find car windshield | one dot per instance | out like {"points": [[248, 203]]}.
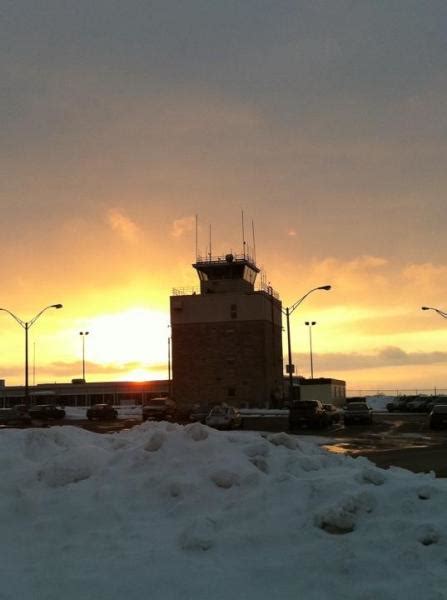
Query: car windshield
{"points": [[440, 408], [357, 406], [219, 411]]}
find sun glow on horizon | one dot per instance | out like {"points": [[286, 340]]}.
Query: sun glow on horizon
{"points": [[137, 335]]}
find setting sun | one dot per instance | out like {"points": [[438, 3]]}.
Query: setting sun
{"points": [[137, 337]]}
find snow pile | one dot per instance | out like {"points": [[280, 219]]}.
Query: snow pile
{"points": [[167, 512], [378, 403]]}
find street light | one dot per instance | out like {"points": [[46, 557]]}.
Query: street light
{"points": [[310, 324], [26, 326], [440, 312], [83, 334], [288, 311]]}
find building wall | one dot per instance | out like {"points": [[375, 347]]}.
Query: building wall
{"points": [[113, 392], [330, 392], [226, 348], [215, 308]]}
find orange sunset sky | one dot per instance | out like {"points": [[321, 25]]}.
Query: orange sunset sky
{"points": [[324, 121]]}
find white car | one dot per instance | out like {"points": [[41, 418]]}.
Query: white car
{"points": [[224, 417]]}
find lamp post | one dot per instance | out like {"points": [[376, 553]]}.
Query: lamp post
{"points": [[310, 324], [169, 368], [26, 326], [288, 311], [440, 312], [83, 334]]}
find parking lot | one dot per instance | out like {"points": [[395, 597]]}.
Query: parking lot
{"points": [[402, 440]]}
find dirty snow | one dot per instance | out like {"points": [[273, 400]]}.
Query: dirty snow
{"points": [[164, 511]]}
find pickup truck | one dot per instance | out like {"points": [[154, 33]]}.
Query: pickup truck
{"points": [[158, 409], [308, 413]]}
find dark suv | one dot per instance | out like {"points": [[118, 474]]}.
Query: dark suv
{"points": [[357, 412], [102, 412], [11, 417], [438, 417], [159, 409], [46, 411], [308, 413]]}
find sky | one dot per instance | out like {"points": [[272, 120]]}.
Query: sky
{"points": [[323, 120]]}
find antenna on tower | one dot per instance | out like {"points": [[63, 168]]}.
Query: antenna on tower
{"points": [[210, 254], [243, 232], [254, 241], [197, 236]]}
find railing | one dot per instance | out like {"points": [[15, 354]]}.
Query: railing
{"points": [[263, 287], [193, 290], [224, 258], [185, 291]]}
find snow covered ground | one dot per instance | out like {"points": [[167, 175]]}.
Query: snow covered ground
{"points": [[164, 511]]}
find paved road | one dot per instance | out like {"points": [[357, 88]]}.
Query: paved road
{"points": [[418, 460], [394, 439], [400, 440]]}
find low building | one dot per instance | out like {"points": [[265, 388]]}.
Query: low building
{"points": [[324, 389], [118, 393]]}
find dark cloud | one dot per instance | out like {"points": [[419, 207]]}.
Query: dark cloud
{"points": [[68, 370], [390, 356]]}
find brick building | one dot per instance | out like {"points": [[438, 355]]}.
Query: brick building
{"points": [[226, 338]]}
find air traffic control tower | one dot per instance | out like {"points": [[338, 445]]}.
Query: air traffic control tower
{"points": [[227, 338]]}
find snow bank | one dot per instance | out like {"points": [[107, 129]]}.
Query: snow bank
{"points": [[166, 512], [378, 403]]}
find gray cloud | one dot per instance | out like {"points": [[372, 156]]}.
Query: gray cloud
{"points": [[348, 99], [68, 370], [390, 356]]}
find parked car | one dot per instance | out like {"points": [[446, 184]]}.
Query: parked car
{"points": [[224, 417], [198, 413], [333, 413], [438, 417], [419, 405], [308, 413], [13, 418], [400, 404], [357, 412], [102, 412], [159, 409], [46, 411]]}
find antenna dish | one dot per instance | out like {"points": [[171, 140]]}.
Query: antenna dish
{"points": [[229, 258]]}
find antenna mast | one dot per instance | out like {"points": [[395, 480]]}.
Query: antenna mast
{"points": [[243, 232], [210, 254], [197, 235], [254, 241]]}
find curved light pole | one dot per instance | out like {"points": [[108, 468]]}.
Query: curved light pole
{"points": [[440, 312], [288, 311], [83, 334], [26, 326], [310, 324]]}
